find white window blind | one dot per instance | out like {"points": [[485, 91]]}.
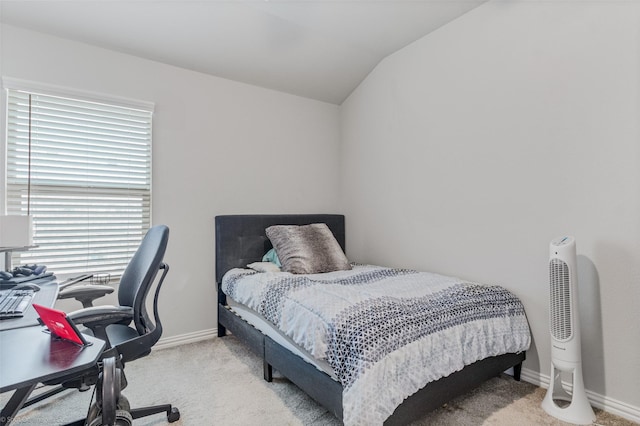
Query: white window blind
{"points": [[82, 169]]}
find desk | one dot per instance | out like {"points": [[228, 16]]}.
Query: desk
{"points": [[46, 297], [29, 356]]}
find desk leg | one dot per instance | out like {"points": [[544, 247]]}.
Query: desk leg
{"points": [[15, 404]]}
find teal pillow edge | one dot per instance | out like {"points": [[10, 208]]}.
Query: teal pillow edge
{"points": [[272, 256]]}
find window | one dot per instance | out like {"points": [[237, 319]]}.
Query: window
{"points": [[82, 169]]}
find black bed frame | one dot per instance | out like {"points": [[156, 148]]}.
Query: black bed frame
{"points": [[240, 240]]}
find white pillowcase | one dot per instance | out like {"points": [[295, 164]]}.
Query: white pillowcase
{"points": [[264, 267]]}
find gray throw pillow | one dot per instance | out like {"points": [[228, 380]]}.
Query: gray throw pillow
{"points": [[307, 249]]}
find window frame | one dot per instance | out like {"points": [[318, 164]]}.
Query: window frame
{"points": [[9, 85]]}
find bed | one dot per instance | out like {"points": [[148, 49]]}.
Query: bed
{"points": [[241, 240]]}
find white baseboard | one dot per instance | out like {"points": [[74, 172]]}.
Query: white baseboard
{"points": [[183, 339], [602, 402]]}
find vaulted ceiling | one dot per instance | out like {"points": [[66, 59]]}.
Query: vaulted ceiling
{"points": [[321, 49]]}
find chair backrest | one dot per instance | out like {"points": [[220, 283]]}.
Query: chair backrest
{"points": [[140, 274]]}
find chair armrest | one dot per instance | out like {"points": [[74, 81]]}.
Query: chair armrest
{"points": [[102, 315], [85, 294], [85, 290]]}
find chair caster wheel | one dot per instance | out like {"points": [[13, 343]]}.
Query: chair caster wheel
{"points": [[123, 404], [123, 418], [174, 415]]}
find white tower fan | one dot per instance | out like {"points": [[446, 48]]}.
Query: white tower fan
{"points": [[565, 337]]}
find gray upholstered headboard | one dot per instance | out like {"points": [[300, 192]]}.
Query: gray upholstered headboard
{"points": [[241, 239]]}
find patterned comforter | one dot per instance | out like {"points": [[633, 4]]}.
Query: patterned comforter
{"points": [[385, 332]]}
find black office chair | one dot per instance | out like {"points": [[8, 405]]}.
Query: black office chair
{"points": [[130, 334]]}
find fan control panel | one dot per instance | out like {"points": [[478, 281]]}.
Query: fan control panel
{"points": [[562, 241]]}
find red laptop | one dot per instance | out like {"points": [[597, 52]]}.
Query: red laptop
{"points": [[59, 325]]}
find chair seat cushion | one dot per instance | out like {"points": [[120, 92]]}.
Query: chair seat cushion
{"points": [[118, 333]]}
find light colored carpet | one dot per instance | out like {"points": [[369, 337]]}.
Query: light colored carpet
{"points": [[219, 382]]}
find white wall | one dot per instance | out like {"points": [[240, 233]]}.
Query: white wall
{"points": [[468, 151], [464, 153], [219, 147]]}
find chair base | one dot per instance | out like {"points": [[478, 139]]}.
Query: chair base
{"points": [[173, 414], [112, 408]]}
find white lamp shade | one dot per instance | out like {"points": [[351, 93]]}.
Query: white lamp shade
{"points": [[16, 231]]}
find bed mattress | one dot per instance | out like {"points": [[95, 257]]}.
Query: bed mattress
{"points": [[385, 333]]}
